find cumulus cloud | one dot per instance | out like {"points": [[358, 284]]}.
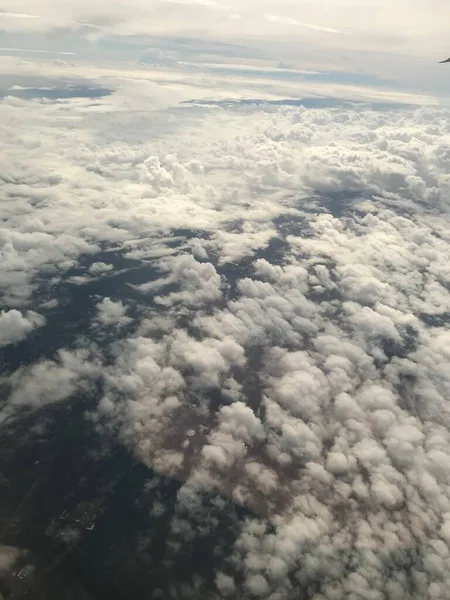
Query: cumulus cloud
{"points": [[112, 313], [339, 448], [227, 196], [293, 353], [15, 326], [335, 460], [97, 268], [199, 283], [48, 381], [8, 556]]}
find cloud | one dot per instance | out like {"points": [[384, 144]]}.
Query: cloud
{"points": [[8, 556], [14, 326], [199, 282], [291, 353], [351, 38], [291, 21], [26, 255], [49, 381], [222, 21], [225, 584], [333, 415], [39, 52], [350, 451], [97, 268], [112, 313], [351, 42]]}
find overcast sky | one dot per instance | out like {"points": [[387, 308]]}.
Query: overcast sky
{"points": [[399, 41]]}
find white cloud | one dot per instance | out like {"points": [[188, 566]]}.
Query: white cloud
{"points": [[49, 381], [253, 174], [258, 586], [98, 268], [225, 583], [112, 313], [341, 434], [291, 21], [199, 282], [14, 326], [362, 23], [310, 385]]}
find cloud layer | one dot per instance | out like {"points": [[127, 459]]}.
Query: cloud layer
{"points": [[286, 343], [353, 22], [349, 41]]}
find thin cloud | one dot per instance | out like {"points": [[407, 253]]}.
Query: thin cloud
{"points": [[34, 51], [12, 15], [291, 21]]}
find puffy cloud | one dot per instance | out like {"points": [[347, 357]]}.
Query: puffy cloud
{"points": [[112, 313], [25, 256], [15, 326], [49, 381], [100, 267], [225, 584], [293, 349], [8, 556], [199, 282], [227, 190], [258, 586]]}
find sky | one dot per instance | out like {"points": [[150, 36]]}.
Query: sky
{"points": [[397, 46], [224, 300]]}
